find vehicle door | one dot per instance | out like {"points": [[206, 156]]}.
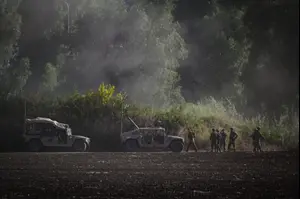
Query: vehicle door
{"points": [[159, 139], [63, 138], [47, 133], [70, 140], [30, 132], [147, 138]]}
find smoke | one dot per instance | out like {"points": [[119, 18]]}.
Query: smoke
{"points": [[138, 47], [206, 72], [134, 47]]}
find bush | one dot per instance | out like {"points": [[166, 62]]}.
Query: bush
{"points": [[97, 114]]}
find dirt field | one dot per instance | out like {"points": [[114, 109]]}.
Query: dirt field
{"points": [[149, 175]]}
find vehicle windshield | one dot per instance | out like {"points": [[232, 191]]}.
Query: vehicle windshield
{"points": [[160, 133]]}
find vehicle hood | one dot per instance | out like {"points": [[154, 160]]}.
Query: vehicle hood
{"points": [[80, 137], [130, 133], [174, 137], [126, 133]]}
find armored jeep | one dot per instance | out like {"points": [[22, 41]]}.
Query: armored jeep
{"points": [[41, 133], [151, 138]]}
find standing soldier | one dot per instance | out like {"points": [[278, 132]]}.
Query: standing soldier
{"points": [[223, 139], [191, 136], [218, 140], [213, 140], [256, 137], [232, 137]]}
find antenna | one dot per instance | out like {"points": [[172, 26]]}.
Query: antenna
{"points": [[25, 113], [136, 126], [121, 127]]}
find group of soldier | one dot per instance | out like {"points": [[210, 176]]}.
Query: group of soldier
{"points": [[218, 140]]}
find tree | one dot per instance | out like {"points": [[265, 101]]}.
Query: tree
{"points": [[218, 54], [271, 78], [129, 46], [10, 23]]}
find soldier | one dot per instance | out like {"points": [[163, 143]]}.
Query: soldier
{"points": [[213, 140], [256, 137], [232, 137], [223, 139], [218, 140], [159, 123], [191, 136]]}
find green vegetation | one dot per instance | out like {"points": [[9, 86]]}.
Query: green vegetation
{"points": [[98, 115], [197, 65]]}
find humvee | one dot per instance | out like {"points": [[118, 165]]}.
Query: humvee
{"points": [[41, 133], [153, 138]]}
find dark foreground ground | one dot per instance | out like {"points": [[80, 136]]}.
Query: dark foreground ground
{"points": [[149, 175]]}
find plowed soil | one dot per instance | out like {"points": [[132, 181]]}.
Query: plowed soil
{"points": [[149, 175]]}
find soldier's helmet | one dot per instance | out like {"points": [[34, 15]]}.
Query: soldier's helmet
{"points": [[159, 122], [213, 129], [231, 128], [258, 128]]}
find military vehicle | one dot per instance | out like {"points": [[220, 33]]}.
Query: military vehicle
{"points": [[151, 138], [41, 133]]}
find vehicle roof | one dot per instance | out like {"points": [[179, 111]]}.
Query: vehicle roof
{"points": [[147, 128], [47, 120], [41, 119]]}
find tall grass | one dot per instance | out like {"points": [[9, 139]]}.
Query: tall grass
{"points": [[210, 113]]}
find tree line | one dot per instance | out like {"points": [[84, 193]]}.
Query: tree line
{"points": [[159, 52]]}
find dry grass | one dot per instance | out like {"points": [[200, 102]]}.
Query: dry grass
{"points": [[210, 113]]}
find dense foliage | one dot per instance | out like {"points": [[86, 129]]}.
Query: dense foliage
{"points": [[162, 54]]}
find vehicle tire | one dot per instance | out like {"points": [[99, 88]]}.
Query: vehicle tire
{"points": [[131, 145], [176, 146], [35, 145], [79, 146]]}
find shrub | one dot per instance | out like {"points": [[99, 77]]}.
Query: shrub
{"points": [[98, 114]]}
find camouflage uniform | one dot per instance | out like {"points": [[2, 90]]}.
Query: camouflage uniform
{"points": [[232, 137], [213, 140], [223, 139], [191, 137], [159, 123], [218, 141], [256, 137]]}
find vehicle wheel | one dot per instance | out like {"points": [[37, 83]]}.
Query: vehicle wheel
{"points": [[131, 145], [35, 145], [79, 146], [176, 146]]}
